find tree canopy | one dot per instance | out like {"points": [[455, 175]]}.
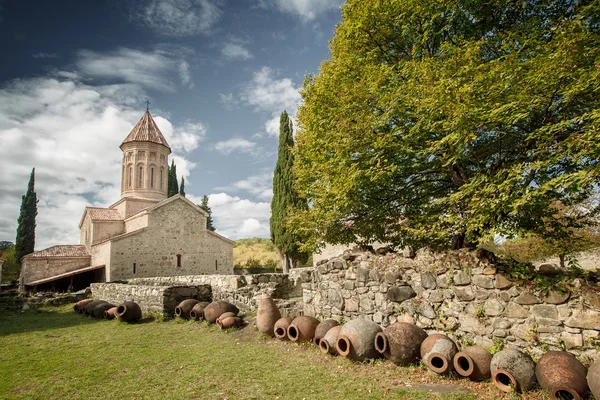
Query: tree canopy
{"points": [[442, 123], [209, 220], [25, 242], [172, 185]]}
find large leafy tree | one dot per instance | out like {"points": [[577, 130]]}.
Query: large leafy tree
{"points": [[285, 197], [209, 220], [25, 241], [172, 185], [441, 123]]}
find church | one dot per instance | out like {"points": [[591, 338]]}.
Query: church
{"points": [[144, 234]]}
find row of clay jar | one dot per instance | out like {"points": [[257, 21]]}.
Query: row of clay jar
{"points": [[557, 372], [224, 314], [129, 311]]}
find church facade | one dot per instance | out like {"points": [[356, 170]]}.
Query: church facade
{"points": [[144, 234]]}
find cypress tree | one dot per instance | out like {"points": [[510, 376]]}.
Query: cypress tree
{"points": [[209, 220], [25, 242], [285, 197], [172, 186], [182, 187]]}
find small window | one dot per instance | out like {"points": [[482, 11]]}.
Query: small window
{"points": [[141, 177], [152, 177], [134, 268], [216, 265], [179, 260]]}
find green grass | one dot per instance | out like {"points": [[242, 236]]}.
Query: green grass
{"points": [[57, 354]]}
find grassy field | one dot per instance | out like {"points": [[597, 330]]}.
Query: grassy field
{"points": [[57, 354]]}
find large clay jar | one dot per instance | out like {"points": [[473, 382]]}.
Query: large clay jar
{"points": [[78, 307], [225, 315], [327, 342], [89, 307], [593, 379], [185, 307], [302, 328], [562, 375], [356, 339], [322, 329], [197, 312], [473, 363], [438, 351], [512, 370], [100, 309], [266, 315], [217, 308], [111, 313], [281, 327], [129, 312], [401, 343], [230, 322]]}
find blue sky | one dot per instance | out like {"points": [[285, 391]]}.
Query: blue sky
{"points": [[76, 75]]}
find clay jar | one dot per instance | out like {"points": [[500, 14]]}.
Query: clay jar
{"points": [[229, 322], [593, 379], [473, 363], [217, 308], [80, 304], [184, 308], [197, 312], [438, 351], [129, 312], [100, 309], [89, 307], [356, 339], [322, 329], [281, 327], [401, 343], [562, 375], [512, 370], [327, 342], [111, 313], [225, 315], [302, 328], [266, 315]]}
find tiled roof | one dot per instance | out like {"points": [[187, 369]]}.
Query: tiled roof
{"points": [[146, 130], [72, 250], [104, 214]]}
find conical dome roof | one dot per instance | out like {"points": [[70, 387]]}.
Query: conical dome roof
{"points": [[146, 130]]}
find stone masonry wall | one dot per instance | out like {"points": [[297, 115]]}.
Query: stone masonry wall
{"points": [[160, 299], [456, 293]]}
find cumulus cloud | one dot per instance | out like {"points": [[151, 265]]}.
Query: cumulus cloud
{"points": [[70, 131], [179, 17], [228, 100], [235, 145], [150, 69], [305, 9], [259, 186], [185, 137]]}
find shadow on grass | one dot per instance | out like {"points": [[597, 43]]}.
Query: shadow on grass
{"points": [[13, 322]]}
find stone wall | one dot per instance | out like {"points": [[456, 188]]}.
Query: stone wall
{"points": [[457, 293], [159, 299], [35, 268]]}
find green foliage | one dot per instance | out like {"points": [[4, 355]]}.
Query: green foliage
{"points": [[255, 253], [6, 245], [25, 242], [172, 186], [182, 187], [498, 345], [11, 267], [209, 220], [479, 313], [285, 197], [443, 123]]}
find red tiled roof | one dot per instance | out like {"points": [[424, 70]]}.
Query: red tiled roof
{"points": [[146, 130], [104, 214], [72, 250]]}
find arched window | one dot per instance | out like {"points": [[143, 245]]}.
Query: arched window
{"points": [[179, 260], [152, 177], [130, 177], [141, 177], [162, 172]]}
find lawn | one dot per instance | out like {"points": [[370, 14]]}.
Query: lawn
{"points": [[55, 353]]}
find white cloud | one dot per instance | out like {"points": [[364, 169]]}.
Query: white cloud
{"points": [[235, 144], [236, 51], [228, 100], [179, 17], [183, 138], [272, 126], [150, 69], [237, 218], [44, 55], [305, 9], [260, 186], [70, 132]]}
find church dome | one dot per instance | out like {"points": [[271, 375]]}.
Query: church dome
{"points": [[146, 130]]}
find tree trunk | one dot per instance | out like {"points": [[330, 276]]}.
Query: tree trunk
{"points": [[285, 263], [561, 257]]}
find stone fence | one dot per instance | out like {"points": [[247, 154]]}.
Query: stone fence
{"points": [[458, 293]]}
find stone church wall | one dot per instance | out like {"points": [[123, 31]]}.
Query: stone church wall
{"points": [[175, 228], [456, 293], [34, 269]]}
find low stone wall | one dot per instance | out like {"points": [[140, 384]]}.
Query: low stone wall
{"points": [[159, 299], [241, 290], [456, 293]]}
